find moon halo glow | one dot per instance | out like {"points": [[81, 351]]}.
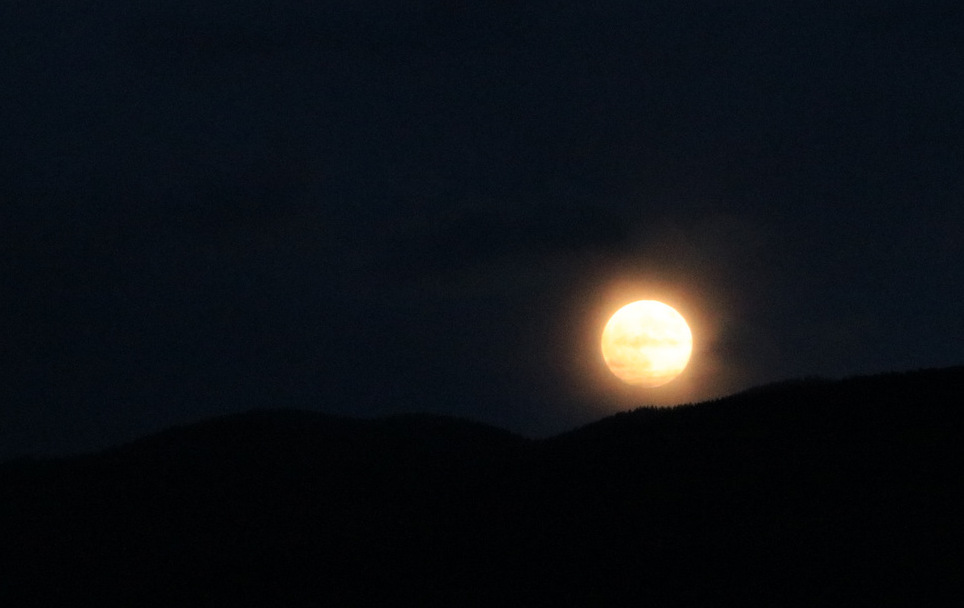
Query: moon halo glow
{"points": [[647, 343]]}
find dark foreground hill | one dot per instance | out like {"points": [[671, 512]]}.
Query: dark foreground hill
{"points": [[804, 493]]}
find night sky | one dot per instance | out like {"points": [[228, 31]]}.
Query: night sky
{"points": [[372, 207]]}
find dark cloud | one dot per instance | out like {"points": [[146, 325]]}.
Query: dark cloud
{"points": [[450, 242]]}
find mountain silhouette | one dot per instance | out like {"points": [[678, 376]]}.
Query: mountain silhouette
{"points": [[798, 493]]}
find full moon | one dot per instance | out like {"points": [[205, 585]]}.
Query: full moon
{"points": [[647, 343]]}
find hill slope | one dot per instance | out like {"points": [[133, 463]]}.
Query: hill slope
{"points": [[787, 494]]}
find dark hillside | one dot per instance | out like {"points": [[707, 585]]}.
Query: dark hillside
{"points": [[790, 494], [800, 491], [222, 508]]}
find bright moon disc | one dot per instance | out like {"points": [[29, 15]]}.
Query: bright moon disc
{"points": [[647, 343]]}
